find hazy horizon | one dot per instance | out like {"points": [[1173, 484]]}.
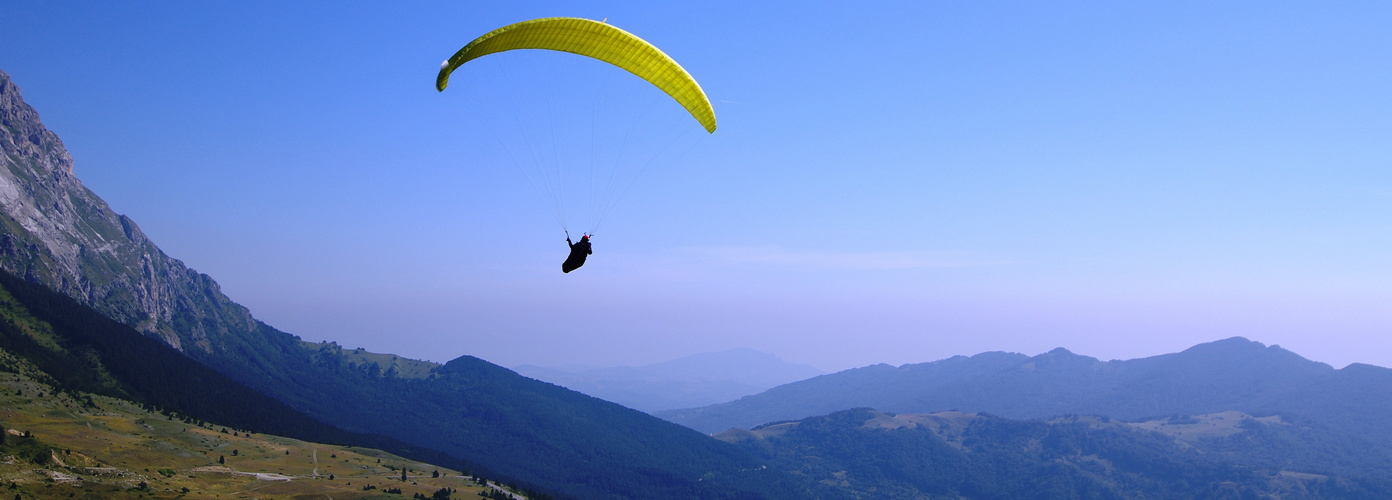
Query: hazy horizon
{"points": [[898, 183]]}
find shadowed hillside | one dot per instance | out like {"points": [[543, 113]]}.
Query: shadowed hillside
{"points": [[77, 349], [89, 446]]}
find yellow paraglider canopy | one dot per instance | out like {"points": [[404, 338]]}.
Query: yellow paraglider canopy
{"points": [[596, 40]]}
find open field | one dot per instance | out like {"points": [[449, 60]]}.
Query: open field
{"points": [[112, 448], [1213, 425]]}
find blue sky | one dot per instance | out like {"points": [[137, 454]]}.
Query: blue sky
{"points": [[896, 183]]}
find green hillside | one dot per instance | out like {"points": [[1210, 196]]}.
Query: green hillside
{"points": [[60, 446], [78, 350]]}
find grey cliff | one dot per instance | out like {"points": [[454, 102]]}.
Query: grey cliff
{"points": [[56, 232]]}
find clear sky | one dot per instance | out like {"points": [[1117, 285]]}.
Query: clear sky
{"points": [[894, 183]]}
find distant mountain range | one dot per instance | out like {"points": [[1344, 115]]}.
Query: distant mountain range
{"points": [[1226, 419], [1233, 374], [696, 380]]}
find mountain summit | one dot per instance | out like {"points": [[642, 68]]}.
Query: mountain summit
{"points": [[58, 233]]}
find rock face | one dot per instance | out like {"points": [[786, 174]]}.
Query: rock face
{"points": [[56, 232]]}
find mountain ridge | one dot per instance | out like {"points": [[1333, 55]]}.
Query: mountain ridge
{"points": [[59, 233], [79, 350], [1229, 374], [68, 365]]}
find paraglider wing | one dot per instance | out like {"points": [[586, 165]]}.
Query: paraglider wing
{"points": [[596, 40]]}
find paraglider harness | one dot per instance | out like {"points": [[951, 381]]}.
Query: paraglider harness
{"points": [[578, 252]]}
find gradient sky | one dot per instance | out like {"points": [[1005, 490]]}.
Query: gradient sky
{"points": [[898, 183]]}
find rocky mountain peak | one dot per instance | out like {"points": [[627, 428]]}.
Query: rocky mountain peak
{"points": [[56, 232], [23, 133]]}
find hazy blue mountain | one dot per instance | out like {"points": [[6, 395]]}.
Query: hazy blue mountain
{"points": [[696, 380], [863, 453], [57, 233], [1232, 374]]}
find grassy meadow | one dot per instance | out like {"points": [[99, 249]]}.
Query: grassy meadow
{"points": [[59, 446]]}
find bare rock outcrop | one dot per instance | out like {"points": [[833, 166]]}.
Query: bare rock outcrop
{"points": [[56, 232]]}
